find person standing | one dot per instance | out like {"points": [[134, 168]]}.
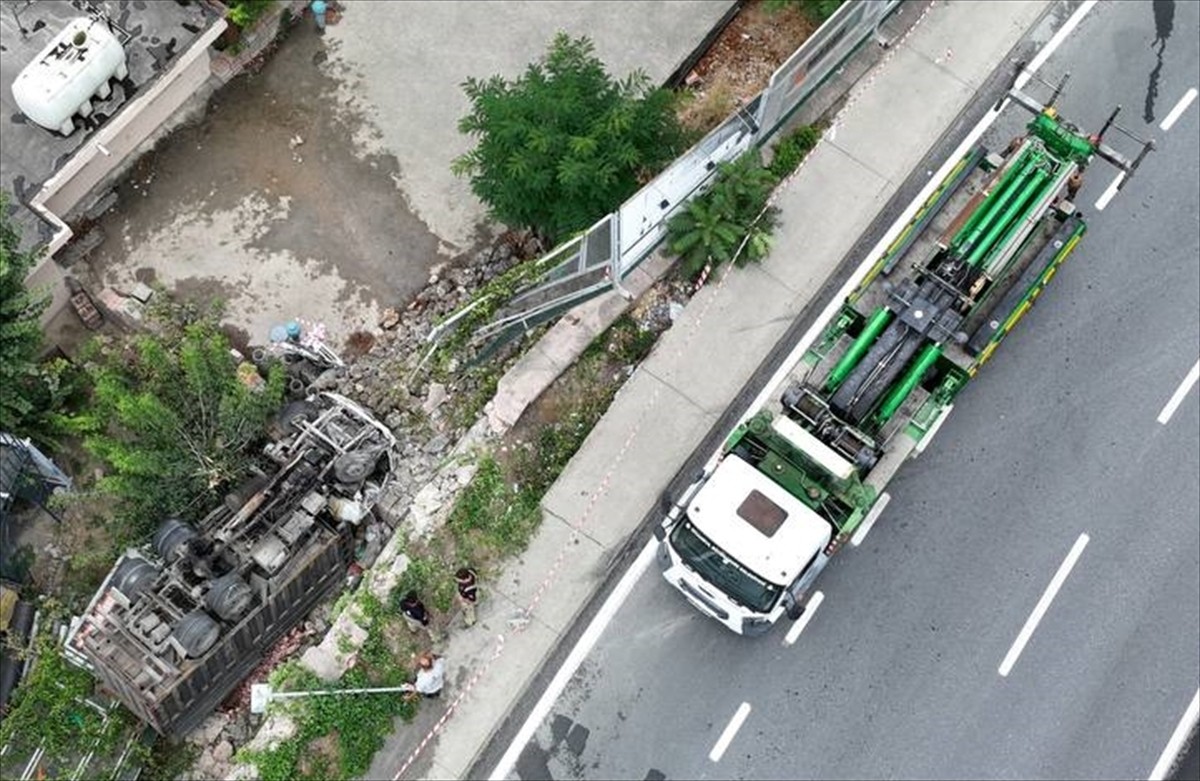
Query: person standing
{"points": [[319, 9], [415, 614], [468, 593], [431, 675], [417, 617]]}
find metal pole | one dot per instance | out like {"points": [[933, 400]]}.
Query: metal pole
{"points": [[320, 692]]}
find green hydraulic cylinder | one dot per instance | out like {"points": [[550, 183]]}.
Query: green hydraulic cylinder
{"points": [[1035, 187], [847, 362], [911, 379], [1015, 227], [978, 221]]}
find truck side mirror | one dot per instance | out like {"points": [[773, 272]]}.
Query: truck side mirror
{"points": [[660, 533], [795, 610], [665, 503]]}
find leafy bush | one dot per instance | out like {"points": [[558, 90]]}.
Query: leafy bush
{"points": [[20, 328], [50, 704], [245, 13], [730, 222], [430, 578], [565, 143], [792, 149]]}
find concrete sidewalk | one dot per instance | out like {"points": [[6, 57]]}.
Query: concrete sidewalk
{"points": [[892, 117]]}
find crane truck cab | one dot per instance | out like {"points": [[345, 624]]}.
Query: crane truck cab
{"points": [[746, 539]]}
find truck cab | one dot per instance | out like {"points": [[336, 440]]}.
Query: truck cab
{"points": [[747, 538]]}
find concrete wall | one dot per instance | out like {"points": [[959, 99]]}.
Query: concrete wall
{"points": [[116, 143]]}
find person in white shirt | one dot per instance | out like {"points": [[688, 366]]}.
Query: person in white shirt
{"points": [[431, 675]]}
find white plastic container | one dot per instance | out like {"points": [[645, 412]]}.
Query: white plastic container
{"points": [[65, 76]]}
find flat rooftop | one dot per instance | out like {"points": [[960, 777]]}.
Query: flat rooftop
{"points": [[153, 32]]}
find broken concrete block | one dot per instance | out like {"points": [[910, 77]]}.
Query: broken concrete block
{"points": [[335, 653], [139, 290], [434, 398], [121, 306]]}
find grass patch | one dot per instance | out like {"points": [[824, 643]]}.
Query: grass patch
{"points": [[791, 150], [337, 736], [699, 113]]}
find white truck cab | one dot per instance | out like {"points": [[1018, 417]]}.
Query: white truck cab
{"points": [[744, 548]]}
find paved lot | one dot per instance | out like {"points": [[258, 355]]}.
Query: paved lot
{"points": [[320, 187]]}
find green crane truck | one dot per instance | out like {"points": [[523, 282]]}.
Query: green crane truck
{"points": [[745, 542]]}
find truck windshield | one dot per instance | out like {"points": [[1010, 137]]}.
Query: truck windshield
{"points": [[712, 564]]}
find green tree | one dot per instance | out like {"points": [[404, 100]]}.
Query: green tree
{"points": [[20, 330], [730, 222], [565, 143], [173, 420]]}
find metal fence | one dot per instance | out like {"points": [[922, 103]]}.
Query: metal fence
{"points": [[598, 259]]}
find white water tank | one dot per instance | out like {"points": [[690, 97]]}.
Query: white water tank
{"points": [[63, 78]]}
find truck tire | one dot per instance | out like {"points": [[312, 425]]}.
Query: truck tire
{"points": [[229, 597], [134, 576], [196, 633], [170, 538], [353, 468]]}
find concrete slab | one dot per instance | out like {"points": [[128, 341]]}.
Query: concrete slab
{"points": [[831, 182], [575, 331], [529, 376], [970, 60], [737, 320], [403, 64], [934, 97], [660, 427], [564, 342], [220, 250], [580, 563]]}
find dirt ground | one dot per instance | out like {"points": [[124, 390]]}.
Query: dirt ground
{"points": [[741, 60], [269, 184]]}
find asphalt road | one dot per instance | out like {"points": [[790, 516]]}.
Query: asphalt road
{"points": [[896, 675]]}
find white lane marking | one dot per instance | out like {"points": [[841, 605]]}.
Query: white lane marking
{"points": [[1111, 192], [1054, 42], [860, 533], [1177, 112], [1043, 605], [731, 730], [582, 648], [1180, 394], [888, 237], [614, 601], [1170, 753], [814, 602]]}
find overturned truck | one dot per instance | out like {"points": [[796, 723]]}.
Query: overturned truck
{"points": [[173, 631]]}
